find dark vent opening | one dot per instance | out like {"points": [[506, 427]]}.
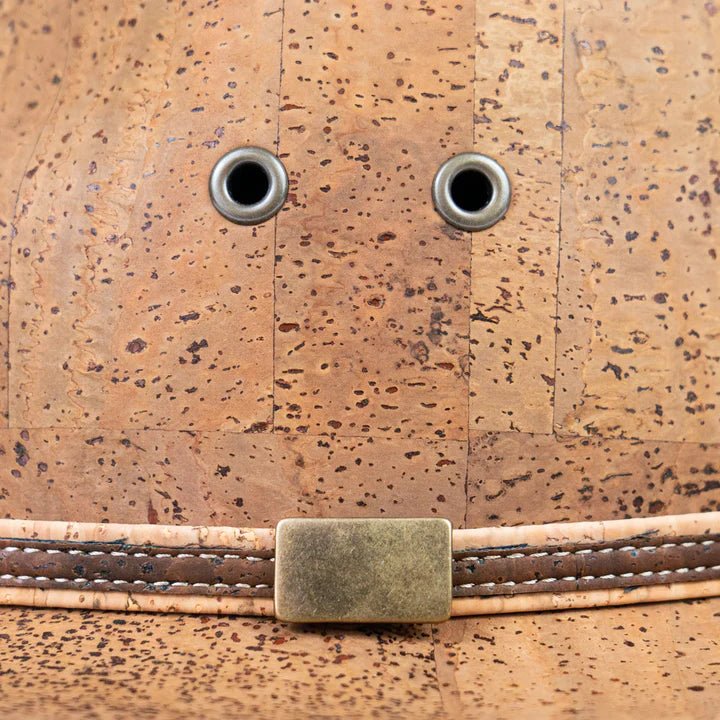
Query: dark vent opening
{"points": [[248, 183], [471, 190]]}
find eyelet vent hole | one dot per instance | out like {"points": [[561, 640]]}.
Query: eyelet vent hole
{"points": [[471, 190], [248, 183]]}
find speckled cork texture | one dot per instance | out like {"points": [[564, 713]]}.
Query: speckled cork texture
{"points": [[518, 120], [515, 478], [237, 479], [127, 283], [372, 288], [639, 329], [111, 665], [628, 663], [32, 56], [355, 355]]}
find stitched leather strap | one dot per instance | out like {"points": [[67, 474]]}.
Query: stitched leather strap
{"points": [[231, 570]]}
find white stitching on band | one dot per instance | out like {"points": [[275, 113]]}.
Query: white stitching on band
{"points": [[564, 553], [117, 553], [251, 558], [647, 573], [158, 583], [508, 583]]}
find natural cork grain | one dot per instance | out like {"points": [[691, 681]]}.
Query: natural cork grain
{"points": [[639, 331], [128, 284], [518, 120], [568, 664], [356, 356], [372, 288]]}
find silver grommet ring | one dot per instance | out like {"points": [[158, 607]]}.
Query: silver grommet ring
{"points": [[248, 185], [471, 191]]}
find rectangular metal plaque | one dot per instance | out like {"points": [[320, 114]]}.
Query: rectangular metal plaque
{"points": [[363, 570]]}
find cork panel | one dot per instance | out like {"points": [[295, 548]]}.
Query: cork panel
{"points": [[648, 660], [33, 51], [231, 479], [115, 665], [518, 121], [639, 342], [515, 479], [568, 664], [136, 304], [371, 286]]}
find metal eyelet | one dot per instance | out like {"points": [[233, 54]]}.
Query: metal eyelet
{"points": [[471, 191], [248, 185]]}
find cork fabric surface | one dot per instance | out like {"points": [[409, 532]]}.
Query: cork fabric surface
{"points": [[638, 661], [356, 355]]}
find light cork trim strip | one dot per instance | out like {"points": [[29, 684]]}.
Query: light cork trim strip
{"points": [[171, 536], [667, 526], [213, 605], [137, 602], [539, 602]]}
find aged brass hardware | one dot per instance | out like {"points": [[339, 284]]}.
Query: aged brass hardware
{"points": [[363, 570]]}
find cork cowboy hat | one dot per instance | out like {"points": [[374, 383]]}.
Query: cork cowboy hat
{"points": [[325, 322]]}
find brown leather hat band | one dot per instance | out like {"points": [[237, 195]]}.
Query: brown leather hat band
{"points": [[582, 567], [217, 572], [138, 569], [55, 559]]}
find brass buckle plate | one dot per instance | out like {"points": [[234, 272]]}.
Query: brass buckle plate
{"points": [[363, 570]]}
